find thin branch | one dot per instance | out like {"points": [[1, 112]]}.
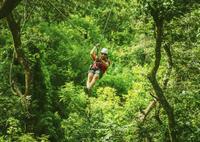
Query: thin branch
{"points": [[153, 96], [10, 74], [144, 113], [157, 115]]}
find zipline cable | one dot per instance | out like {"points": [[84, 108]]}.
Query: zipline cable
{"points": [[27, 17], [106, 23], [64, 16]]}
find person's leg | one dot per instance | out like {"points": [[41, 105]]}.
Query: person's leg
{"points": [[94, 79], [90, 77]]}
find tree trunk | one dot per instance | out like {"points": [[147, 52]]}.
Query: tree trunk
{"points": [[152, 104], [158, 90], [170, 65], [15, 30], [7, 7]]}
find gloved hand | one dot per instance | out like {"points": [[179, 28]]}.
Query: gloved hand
{"points": [[97, 45]]}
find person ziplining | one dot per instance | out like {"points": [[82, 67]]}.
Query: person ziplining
{"points": [[101, 63], [98, 68]]}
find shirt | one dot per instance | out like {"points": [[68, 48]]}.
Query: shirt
{"points": [[98, 64]]}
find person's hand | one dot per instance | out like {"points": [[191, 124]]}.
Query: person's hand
{"points": [[97, 45]]}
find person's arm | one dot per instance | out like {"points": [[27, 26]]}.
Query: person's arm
{"points": [[93, 52]]}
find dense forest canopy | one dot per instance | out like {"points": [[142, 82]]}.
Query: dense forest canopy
{"points": [[150, 92]]}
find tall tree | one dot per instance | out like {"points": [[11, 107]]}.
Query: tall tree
{"points": [[163, 11]]}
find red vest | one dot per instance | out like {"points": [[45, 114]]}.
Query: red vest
{"points": [[98, 64]]}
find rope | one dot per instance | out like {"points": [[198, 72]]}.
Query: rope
{"points": [[108, 18], [75, 27], [64, 16], [106, 23], [27, 16]]}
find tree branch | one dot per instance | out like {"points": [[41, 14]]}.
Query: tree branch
{"points": [[143, 115], [170, 65], [157, 115]]}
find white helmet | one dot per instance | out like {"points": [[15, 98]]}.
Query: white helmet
{"points": [[104, 50]]}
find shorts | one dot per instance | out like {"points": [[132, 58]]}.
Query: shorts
{"points": [[96, 71]]}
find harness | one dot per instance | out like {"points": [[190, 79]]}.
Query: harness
{"points": [[98, 65]]}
